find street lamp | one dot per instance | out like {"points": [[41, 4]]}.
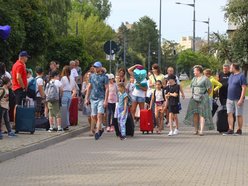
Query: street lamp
{"points": [[207, 22], [159, 40], [192, 5]]}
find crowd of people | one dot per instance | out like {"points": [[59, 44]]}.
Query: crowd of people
{"points": [[108, 100]]}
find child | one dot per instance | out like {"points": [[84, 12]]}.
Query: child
{"points": [[122, 110], [40, 94], [4, 106], [54, 106], [112, 99], [158, 97], [173, 100]]}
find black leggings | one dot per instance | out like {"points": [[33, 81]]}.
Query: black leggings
{"points": [[111, 112], [4, 113]]}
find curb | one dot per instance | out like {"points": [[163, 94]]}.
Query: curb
{"points": [[42, 144]]}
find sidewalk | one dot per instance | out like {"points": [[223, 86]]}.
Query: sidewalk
{"points": [[25, 142]]}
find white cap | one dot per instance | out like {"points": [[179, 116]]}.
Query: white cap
{"points": [[111, 76]]}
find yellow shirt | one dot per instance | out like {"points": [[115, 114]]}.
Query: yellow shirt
{"points": [[216, 85], [152, 79]]}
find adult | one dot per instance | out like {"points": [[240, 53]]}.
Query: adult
{"points": [[199, 111], [139, 92], [19, 77], [74, 73], [52, 68], [235, 98], [69, 88], [98, 91], [121, 75], [40, 94], [80, 75], [223, 79]]}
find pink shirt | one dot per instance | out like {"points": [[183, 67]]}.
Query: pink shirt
{"points": [[113, 93]]}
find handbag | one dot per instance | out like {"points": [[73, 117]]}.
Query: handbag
{"points": [[179, 106]]}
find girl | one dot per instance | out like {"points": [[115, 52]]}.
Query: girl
{"points": [[122, 110], [158, 97], [112, 99], [173, 101], [87, 108], [69, 88]]}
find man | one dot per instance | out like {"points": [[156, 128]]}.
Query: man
{"points": [[79, 78], [98, 90], [223, 79], [19, 80], [235, 98]]}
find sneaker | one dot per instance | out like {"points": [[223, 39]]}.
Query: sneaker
{"points": [[97, 135], [1, 135], [108, 129], [239, 132], [112, 129], [60, 130], [176, 131], [229, 132], [123, 138], [50, 130], [11, 134], [170, 133], [101, 132]]}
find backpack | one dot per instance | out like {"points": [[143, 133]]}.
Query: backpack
{"points": [[51, 91], [163, 91], [31, 90]]}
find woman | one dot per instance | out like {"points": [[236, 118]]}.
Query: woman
{"points": [[69, 88], [121, 76], [199, 111], [139, 92]]}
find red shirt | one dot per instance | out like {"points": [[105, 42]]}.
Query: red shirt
{"points": [[20, 68]]}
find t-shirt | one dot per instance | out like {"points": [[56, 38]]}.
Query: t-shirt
{"points": [[172, 89], [4, 102], [68, 85], [223, 79], [79, 71], [130, 88], [39, 81], [159, 95], [20, 68], [74, 73], [113, 93], [153, 81], [235, 83], [139, 92], [121, 99], [98, 82]]}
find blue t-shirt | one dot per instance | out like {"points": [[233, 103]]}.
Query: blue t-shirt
{"points": [[98, 82], [121, 99], [235, 83]]}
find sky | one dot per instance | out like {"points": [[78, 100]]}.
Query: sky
{"points": [[176, 19]]}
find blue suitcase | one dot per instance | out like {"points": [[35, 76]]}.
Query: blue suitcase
{"points": [[25, 118]]}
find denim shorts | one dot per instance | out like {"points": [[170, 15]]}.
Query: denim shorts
{"points": [[232, 107], [97, 107], [138, 99]]}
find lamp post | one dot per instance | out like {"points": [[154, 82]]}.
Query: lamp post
{"points": [[208, 23], [192, 5], [159, 40]]}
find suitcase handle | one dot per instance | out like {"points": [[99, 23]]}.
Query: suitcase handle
{"points": [[25, 102]]}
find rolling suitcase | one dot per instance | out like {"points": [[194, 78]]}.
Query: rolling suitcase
{"points": [[129, 126], [146, 121], [74, 111], [222, 121], [42, 123], [25, 118]]}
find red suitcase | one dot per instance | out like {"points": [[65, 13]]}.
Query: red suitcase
{"points": [[146, 122], [73, 111]]}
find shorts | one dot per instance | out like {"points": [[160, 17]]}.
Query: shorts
{"points": [[173, 109], [232, 107], [138, 99], [20, 95], [54, 109], [97, 107]]}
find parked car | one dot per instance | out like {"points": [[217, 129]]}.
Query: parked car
{"points": [[183, 77]]}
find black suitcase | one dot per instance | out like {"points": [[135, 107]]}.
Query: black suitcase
{"points": [[25, 118], [42, 123], [129, 126], [222, 121]]}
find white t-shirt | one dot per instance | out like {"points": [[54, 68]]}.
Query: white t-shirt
{"points": [[139, 92], [159, 95], [74, 73], [68, 86], [57, 83], [39, 81]]}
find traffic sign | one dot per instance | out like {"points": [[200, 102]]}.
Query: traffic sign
{"points": [[110, 47]]}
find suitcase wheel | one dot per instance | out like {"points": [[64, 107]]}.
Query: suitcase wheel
{"points": [[152, 131], [147, 132], [32, 132], [16, 131], [143, 132]]}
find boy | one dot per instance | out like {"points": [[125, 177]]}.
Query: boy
{"points": [[4, 107], [40, 94]]}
